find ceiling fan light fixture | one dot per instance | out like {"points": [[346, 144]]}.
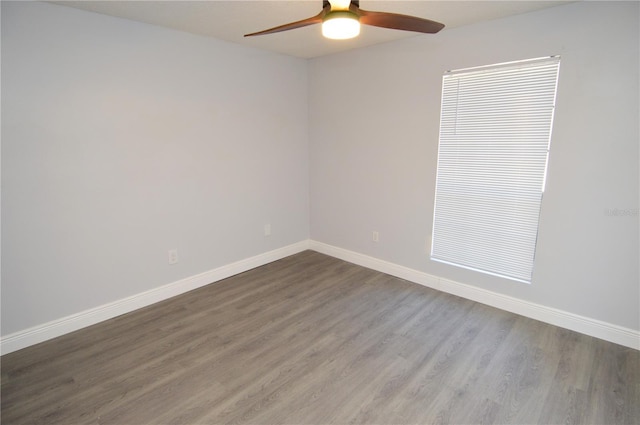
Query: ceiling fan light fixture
{"points": [[340, 25]]}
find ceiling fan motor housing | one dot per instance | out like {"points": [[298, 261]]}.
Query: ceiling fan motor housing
{"points": [[326, 3]]}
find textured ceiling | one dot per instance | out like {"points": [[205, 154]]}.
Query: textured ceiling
{"points": [[230, 20]]}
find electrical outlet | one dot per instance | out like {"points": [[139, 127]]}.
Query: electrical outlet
{"points": [[173, 256], [267, 230], [375, 236]]}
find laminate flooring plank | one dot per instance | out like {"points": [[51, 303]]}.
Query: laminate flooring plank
{"points": [[344, 377], [613, 396], [150, 368], [315, 340], [356, 351], [285, 353], [464, 399], [294, 328], [490, 344], [517, 375], [148, 320], [452, 361], [363, 341], [567, 397]]}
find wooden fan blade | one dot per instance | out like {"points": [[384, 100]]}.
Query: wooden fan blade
{"points": [[293, 25], [399, 22]]}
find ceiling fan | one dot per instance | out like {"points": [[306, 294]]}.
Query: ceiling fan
{"points": [[341, 19]]}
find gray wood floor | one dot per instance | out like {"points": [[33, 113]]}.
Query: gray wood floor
{"points": [[315, 340]]}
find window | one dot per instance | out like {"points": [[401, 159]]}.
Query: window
{"points": [[495, 133]]}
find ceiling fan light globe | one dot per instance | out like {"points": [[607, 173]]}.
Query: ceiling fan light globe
{"points": [[340, 25]]}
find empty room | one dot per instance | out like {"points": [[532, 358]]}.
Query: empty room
{"points": [[313, 212]]}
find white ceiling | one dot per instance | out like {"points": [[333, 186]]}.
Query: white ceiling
{"points": [[230, 20]]}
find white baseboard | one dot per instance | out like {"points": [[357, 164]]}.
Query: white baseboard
{"points": [[55, 328], [606, 331], [592, 327]]}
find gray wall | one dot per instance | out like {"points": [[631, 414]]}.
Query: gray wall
{"points": [[122, 140], [374, 143]]}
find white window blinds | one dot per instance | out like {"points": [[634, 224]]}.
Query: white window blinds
{"points": [[495, 131]]}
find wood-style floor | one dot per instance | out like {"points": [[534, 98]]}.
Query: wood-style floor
{"points": [[314, 340]]}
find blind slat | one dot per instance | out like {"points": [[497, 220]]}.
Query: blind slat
{"points": [[495, 129]]}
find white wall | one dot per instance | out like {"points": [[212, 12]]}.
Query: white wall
{"points": [[122, 140], [374, 118]]}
